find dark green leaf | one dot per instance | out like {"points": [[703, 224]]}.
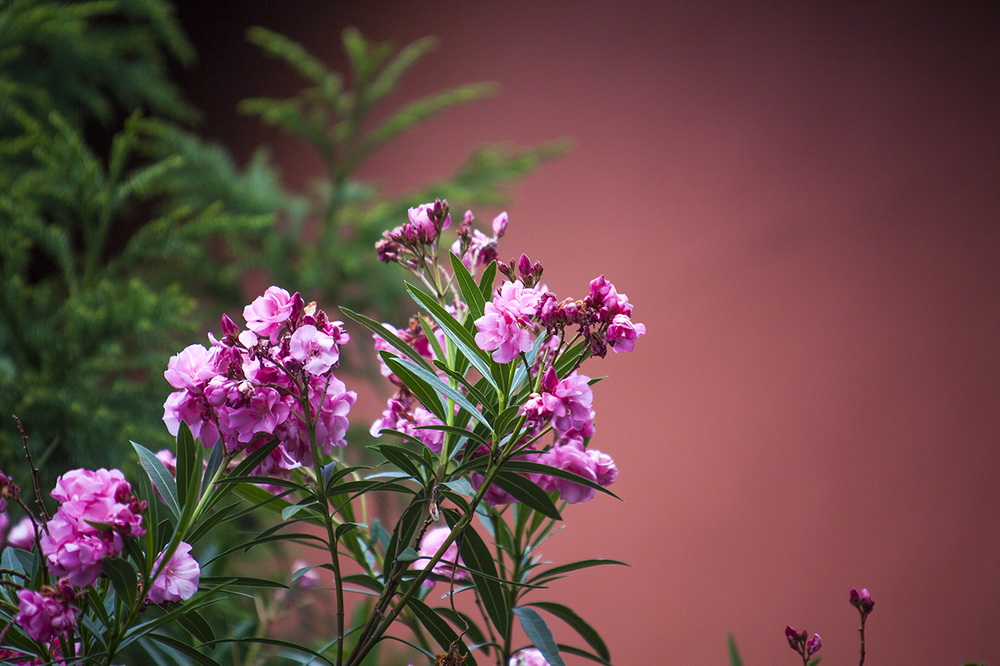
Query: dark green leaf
{"points": [[160, 477], [387, 335], [471, 294], [570, 617], [734, 654], [479, 560], [538, 632], [122, 576], [196, 625], [420, 388], [563, 569], [527, 491], [435, 382], [195, 655], [439, 630], [457, 333], [548, 470]]}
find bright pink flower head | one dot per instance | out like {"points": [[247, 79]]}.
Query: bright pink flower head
{"points": [[622, 333], [263, 413], [315, 350], [101, 496], [528, 657], [190, 368], [572, 459], [268, 313], [500, 333], [445, 567], [178, 580], [604, 467], [47, 614], [569, 400]]}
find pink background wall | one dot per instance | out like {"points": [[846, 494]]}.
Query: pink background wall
{"points": [[801, 199]]}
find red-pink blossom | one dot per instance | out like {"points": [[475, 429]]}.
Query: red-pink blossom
{"points": [[268, 313], [46, 614], [316, 350], [622, 333], [179, 578]]}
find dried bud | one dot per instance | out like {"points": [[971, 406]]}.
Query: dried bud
{"points": [[8, 490]]}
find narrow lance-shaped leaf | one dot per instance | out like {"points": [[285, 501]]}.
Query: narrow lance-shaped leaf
{"points": [[453, 394], [457, 333], [570, 617], [479, 560], [160, 477], [536, 629]]}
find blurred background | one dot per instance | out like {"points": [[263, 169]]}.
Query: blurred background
{"points": [[802, 201]]}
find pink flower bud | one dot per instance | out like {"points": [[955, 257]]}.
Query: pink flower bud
{"points": [[499, 224], [814, 644]]}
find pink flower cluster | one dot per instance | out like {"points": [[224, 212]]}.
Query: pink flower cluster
{"points": [[510, 318], [271, 380], [411, 243], [505, 327], [178, 580], [97, 511], [48, 613]]}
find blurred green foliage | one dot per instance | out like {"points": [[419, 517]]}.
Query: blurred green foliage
{"points": [[123, 234]]}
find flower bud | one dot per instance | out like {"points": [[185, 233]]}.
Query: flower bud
{"points": [[229, 328], [814, 644], [499, 224]]}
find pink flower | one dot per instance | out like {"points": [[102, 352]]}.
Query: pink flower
{"points": [[190, 368], [604, 467], [314, 349], [169, 460], [408, 419], [528, 657], [178, 580], [101, 496], [569, 400], [46, 614], [571, 459], [265, 411], [500, 333], [22, 535], [268, 313], [446, 566], [76, 553], [622, 333]]}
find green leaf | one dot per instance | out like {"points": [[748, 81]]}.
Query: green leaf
{"points": [[196, 625], [122, 576], [569, 649], [569, 616], [160, 477], [471, 294], [563, 569], [486, 281], [457, 333], [387, 335], [420, 388], [538, 632], [528, 492], [444, 389], [439, 629], [479, 561], [194, 654], [734, 654]]}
